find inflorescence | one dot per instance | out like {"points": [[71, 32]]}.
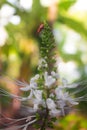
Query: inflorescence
{"points": [[50, 96]]}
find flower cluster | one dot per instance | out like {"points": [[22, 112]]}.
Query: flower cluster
{"points": [[51, 96]]}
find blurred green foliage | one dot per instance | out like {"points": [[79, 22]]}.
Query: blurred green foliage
{"points": [[23, 35], [72, 122], [64, 5]]}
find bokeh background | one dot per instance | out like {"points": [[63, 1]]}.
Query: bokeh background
{"points": [[19, 47]]}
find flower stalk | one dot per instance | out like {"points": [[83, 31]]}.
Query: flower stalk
{"points": [[50, 98], [47, 47]]}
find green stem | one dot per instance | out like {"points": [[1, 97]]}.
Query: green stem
{"points": [[45, 120]]}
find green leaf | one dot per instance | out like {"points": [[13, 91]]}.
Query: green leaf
{"points": [[37, 116], [66, 4], [54, 119], [73, 24], [36, 126]]}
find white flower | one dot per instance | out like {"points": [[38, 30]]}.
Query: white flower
{"points": [[37, 99], [42, 63], [43, 103], [36, 77], [50, 103], [51, 95], [55, 75], [35, 95], [25, 88], [35, 107], [38, 94], [55, 112], [72, 101], [64, 97], [28, 97], [61, 104], [32, 85], [65, 83], [49, 80], [59, 93]]}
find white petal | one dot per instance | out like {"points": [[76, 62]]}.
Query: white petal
{"points": [[45, 75], [65, 82], [33, 84], [23, 99], [61, 103], [56, 75], [36, 77], [38, 94], [51, 95], [72, 102], [25, 88], [50, 103], [30, 95], [49, 80], [59, 93], [35, 107], [55, 112]]}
